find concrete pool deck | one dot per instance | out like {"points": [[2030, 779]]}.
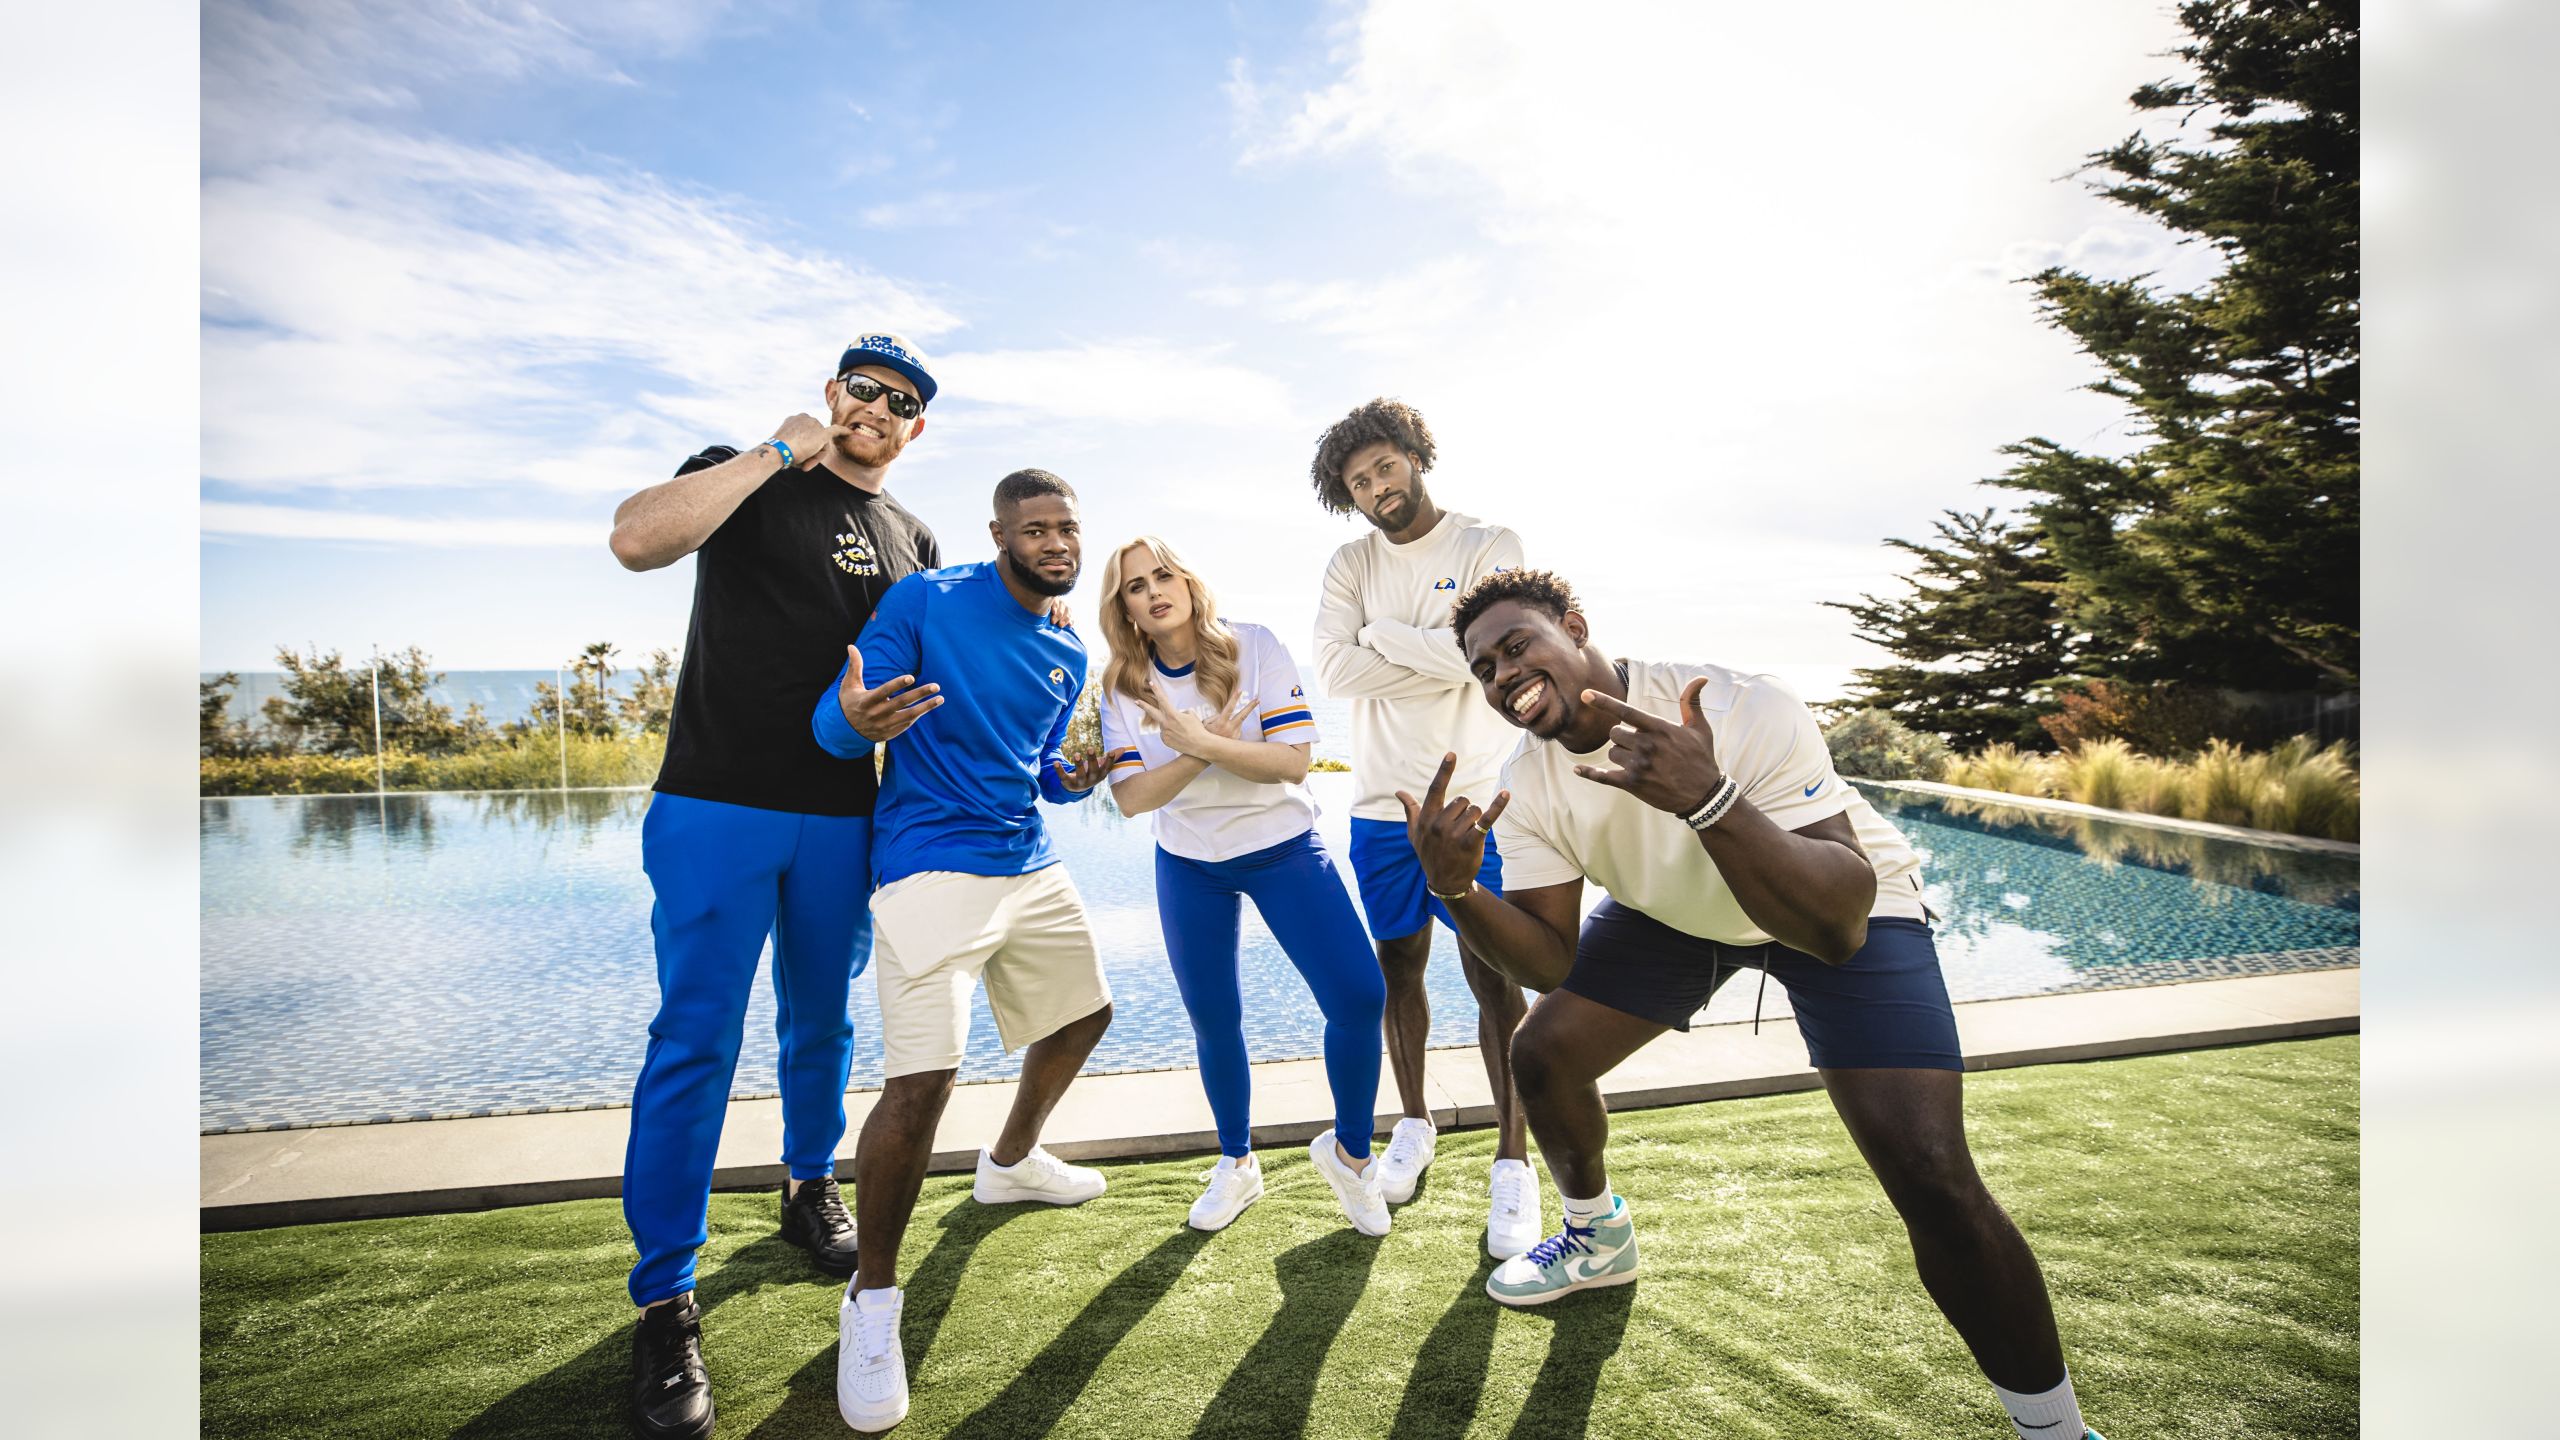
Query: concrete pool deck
{"points": [[292, 1177]]}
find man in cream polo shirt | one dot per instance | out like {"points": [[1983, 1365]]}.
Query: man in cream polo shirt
{"points": [[1703, 800]]}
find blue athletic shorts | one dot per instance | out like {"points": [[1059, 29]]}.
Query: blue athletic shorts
{"points": [[1885, 1010], [1393, 894]]}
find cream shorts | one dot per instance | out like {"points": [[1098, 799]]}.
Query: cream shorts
{"points": [[936, 934]]}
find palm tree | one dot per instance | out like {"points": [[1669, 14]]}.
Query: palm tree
{"points": [[596, 660]]}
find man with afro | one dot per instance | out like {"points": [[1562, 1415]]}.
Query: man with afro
{"points": [[1383, 643]]}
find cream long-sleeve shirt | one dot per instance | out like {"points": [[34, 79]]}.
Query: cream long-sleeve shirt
{"points": [[1383, 643]]}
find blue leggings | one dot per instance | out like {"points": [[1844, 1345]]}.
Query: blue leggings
{"points": [[1304, 901], [725, 877]]}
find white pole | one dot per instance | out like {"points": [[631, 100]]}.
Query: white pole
{"points": [[378, 786], [561, 678]]}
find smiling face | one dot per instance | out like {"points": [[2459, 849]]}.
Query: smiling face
{"points": [[877, 436], [1042, 541], [1385, 486], [1533, 666], [1156, 599]]}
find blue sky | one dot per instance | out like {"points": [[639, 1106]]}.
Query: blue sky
{"points": [[1704, 302]]}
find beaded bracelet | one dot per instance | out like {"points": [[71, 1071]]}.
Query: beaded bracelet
{"points": [[1716, 806]]}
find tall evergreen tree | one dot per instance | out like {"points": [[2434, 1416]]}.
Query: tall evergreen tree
{"points": [[2224, 551], [1980, 635]]}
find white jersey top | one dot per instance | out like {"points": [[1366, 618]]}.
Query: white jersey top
{"points": [[1383, 642], [1220, 814], [1561, 827]]}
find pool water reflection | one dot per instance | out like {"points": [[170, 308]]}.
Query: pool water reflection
{"points": [[373, 958]]}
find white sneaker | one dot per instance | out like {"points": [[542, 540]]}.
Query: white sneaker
{"points": [[1038, 1176], [1409, 1149], [871, 1371], [1514, 1223], [1358, 1190], [1231, 1188]]}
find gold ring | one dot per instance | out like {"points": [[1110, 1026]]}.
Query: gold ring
{"points": [[1478, 827]]}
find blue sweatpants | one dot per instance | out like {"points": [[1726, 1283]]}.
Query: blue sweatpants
{"points": [[725, 877], [1304, 901]]}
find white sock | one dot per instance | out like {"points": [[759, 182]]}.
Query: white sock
{"points": [[1586, 1213], [2049, 1415]]}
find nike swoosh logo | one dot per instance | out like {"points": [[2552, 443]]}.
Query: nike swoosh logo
{"points": [[1809, 789], [1583, 1267], [2023, 1425]]}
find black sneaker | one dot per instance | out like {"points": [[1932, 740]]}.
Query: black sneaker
{"points": [[816, 1221], [670, 1391]]}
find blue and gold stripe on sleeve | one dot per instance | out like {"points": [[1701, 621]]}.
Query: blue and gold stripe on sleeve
{"points": [[1125, 759], [1287, 717]]}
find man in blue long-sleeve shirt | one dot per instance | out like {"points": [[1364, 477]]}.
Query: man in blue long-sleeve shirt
{"points": [[969, 886]]}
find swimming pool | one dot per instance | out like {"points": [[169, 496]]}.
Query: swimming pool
{"points": [[413, 956]]}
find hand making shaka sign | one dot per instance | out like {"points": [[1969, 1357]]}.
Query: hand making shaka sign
{"points": [[1448, 834], [1666, 765]]}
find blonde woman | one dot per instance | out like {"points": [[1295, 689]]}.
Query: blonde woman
{"points": [[1205, 727]]}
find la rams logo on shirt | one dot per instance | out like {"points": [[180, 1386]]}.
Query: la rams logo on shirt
{"points": [[1445, 582], [1297, 693], [1057, 675]]}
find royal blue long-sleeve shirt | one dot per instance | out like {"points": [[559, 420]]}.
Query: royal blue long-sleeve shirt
{"points": [[961, 791]]}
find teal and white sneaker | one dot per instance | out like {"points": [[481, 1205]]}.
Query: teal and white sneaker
{"points": [[1573, 1259]]}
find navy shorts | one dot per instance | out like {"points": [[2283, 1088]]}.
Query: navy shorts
{"points": [[1393, 894], [1886, 1009]]}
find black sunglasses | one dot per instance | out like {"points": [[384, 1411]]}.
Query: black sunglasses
{"points": [[864, 390]]}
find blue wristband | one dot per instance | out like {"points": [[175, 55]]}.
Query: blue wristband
{"points": [[787, 459]]}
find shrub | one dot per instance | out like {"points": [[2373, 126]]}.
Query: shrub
{"points": [[2293, 788], [2308, 791], [1873, 745], [2154, 719], [2104, 773], [2000, 767], [530, 764]]}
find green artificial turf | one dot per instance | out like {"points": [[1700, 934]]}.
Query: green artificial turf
{"points": [[2195, 1214]]}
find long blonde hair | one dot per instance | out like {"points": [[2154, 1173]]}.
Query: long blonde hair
{"points": [[1214, 645]]}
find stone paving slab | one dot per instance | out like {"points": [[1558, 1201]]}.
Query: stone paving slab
{"points": [[288, 1177]]}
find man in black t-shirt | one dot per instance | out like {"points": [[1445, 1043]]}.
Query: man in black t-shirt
{"points": [[754, 830]]}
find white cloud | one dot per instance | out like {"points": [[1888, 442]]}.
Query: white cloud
{"points": [[389, 310], [287, 522], [936, 208], [1392, 313], [1126, 383], [1754, 285]]}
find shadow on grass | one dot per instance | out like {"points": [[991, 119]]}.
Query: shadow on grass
{"points": [[1270, 1391], [1059, 1373], [1448, 1376], [811, 1392], [590, 1393], [1588, 1330]]}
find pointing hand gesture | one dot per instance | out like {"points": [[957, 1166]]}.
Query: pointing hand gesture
{"points": [[884, 713], [1448, 834], [1667, 766]]}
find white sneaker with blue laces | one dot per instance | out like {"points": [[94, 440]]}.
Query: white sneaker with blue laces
{"points": [[1574, 1258]]}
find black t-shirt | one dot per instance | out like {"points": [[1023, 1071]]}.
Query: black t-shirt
{"points": [[779, 590]]}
